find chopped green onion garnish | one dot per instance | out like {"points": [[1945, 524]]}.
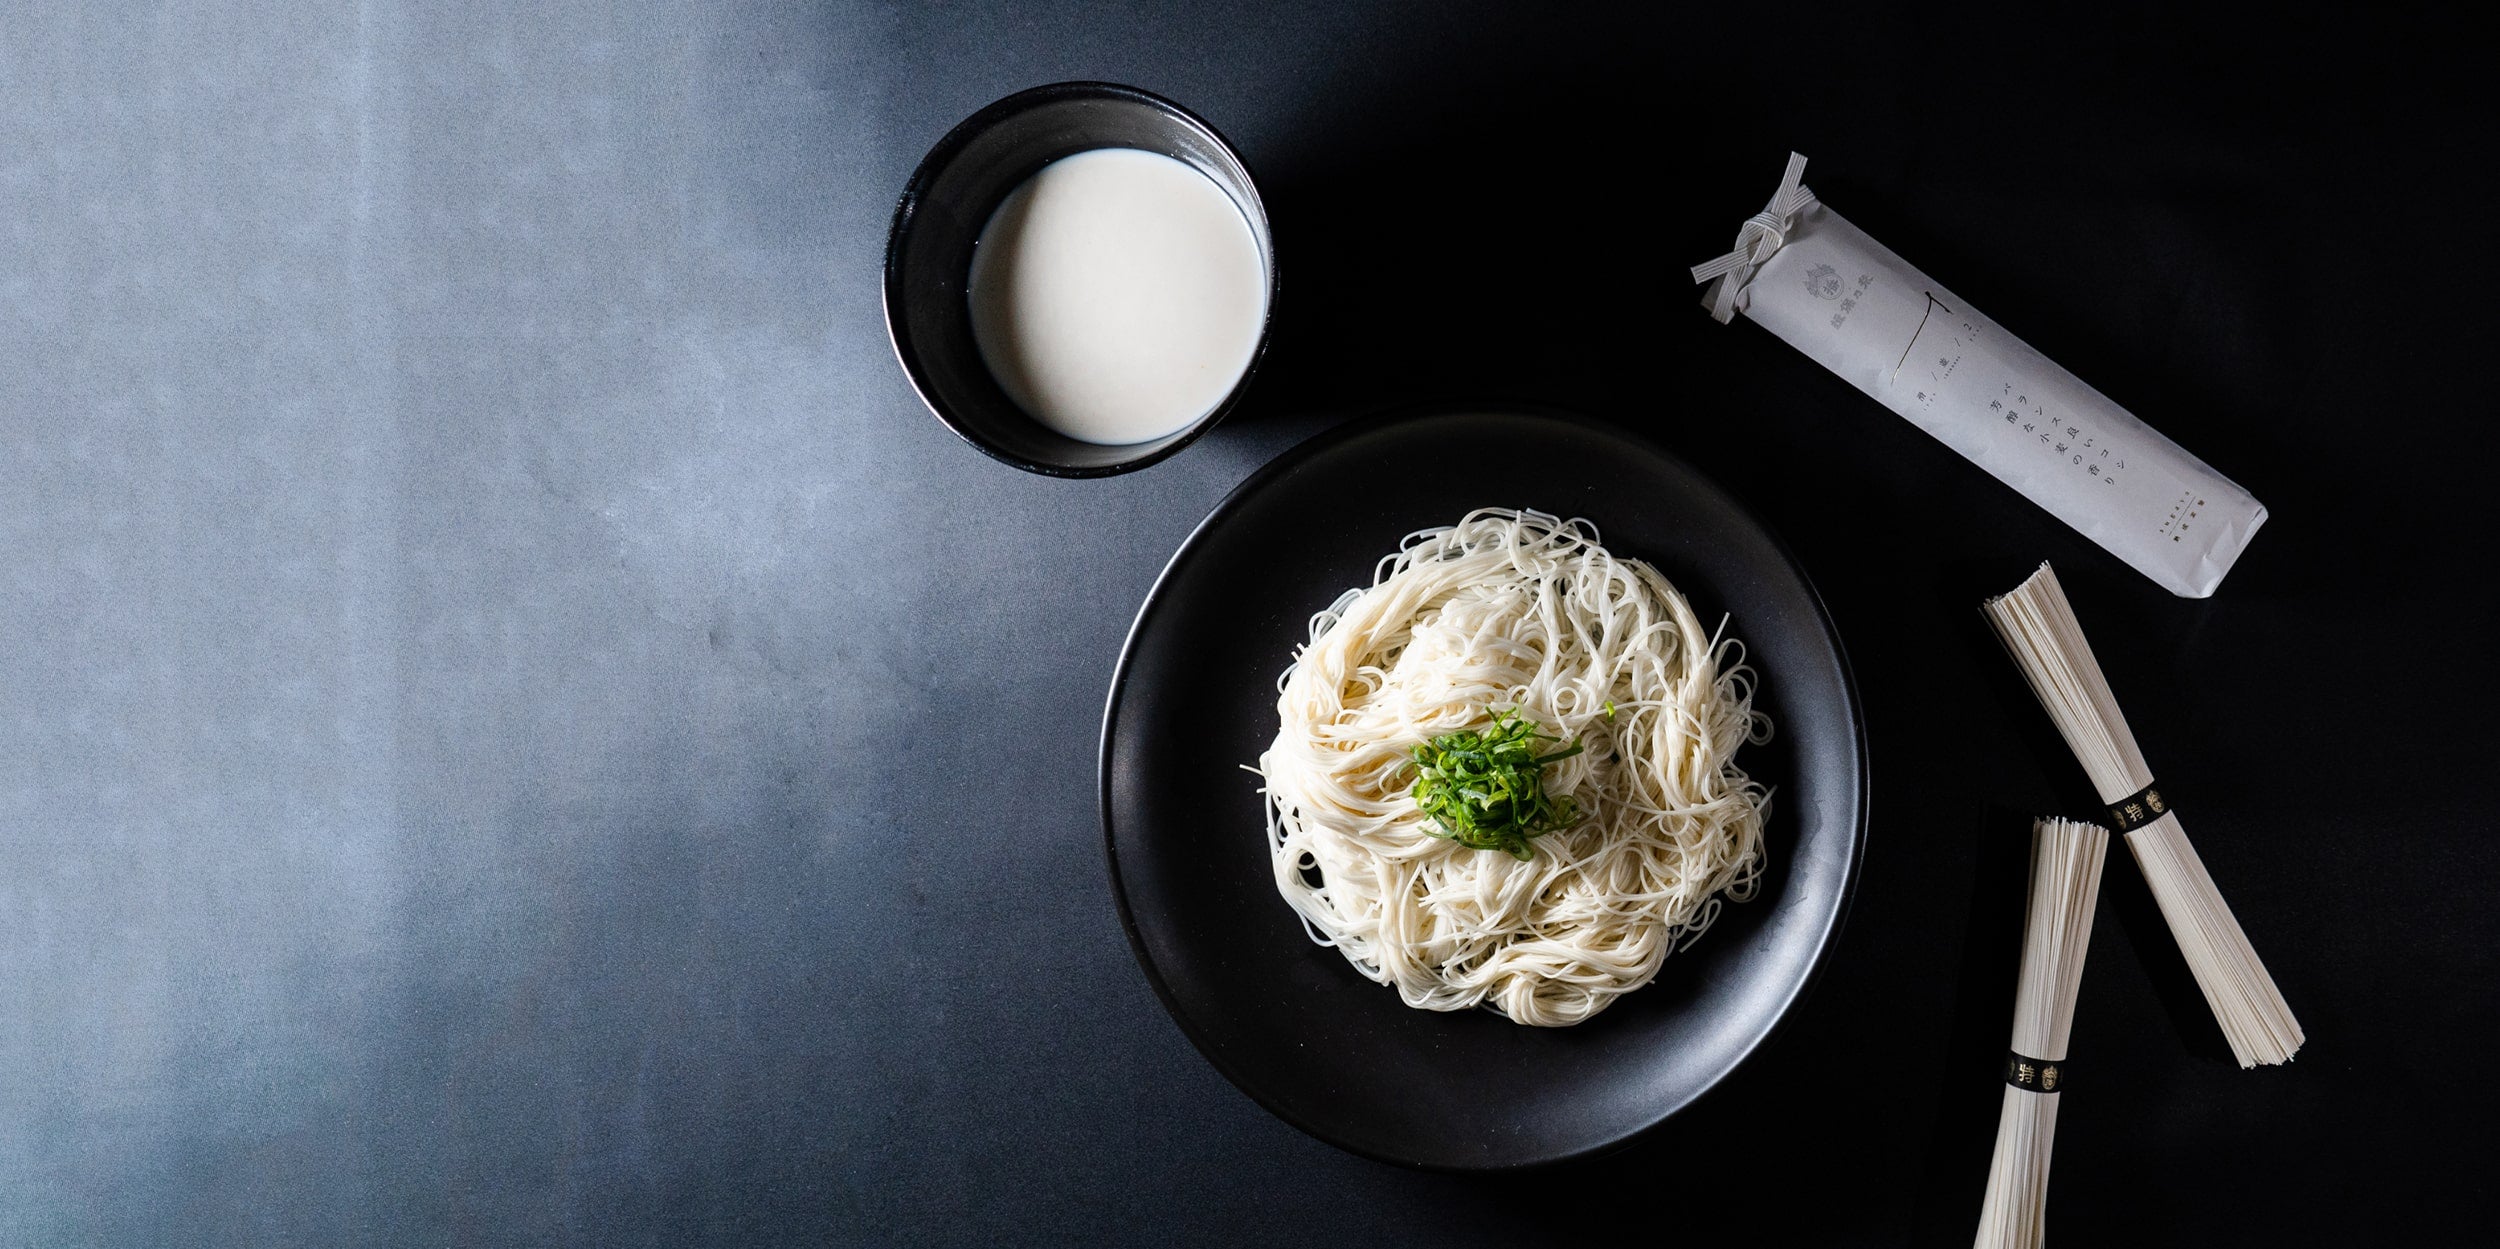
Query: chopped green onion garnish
{"points": [[1485, 789]]}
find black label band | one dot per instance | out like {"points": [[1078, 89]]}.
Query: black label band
{"points": [[2138, 809], [2036, 1075]]}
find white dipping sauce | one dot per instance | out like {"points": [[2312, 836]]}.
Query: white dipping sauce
{"points": [[1117, 295]]}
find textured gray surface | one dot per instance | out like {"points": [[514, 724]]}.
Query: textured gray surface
{"points": [[472, 566], [516, 727]]}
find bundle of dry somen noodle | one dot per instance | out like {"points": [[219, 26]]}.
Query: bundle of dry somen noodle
{"points": [[2039, 628], [2065, 883]]}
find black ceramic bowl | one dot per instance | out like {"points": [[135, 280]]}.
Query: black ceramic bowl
{"points": [[928, 258], [1290, 1022]]}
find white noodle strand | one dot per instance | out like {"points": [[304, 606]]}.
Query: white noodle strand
{"points": [[1515, 609]]}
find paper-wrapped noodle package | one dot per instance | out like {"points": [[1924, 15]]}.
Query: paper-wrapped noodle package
{"points": [[1804, 273]]}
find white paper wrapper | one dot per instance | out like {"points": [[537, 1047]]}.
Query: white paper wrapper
{"points": [[1924, 352]]}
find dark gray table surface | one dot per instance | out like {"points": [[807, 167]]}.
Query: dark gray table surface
{"points": [[516, 727]]}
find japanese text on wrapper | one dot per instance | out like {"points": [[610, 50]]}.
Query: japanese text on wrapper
{"points": [[2023, 419]]}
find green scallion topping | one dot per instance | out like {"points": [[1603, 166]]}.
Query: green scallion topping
{"points": [[1485, 788]]}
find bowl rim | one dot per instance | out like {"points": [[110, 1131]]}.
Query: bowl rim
{"points": [[943, 153]]}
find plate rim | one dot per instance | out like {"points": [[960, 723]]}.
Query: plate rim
{"points": [[1287, 462]]}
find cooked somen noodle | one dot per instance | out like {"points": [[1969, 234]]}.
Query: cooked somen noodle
{"points": [[1515, 610]]}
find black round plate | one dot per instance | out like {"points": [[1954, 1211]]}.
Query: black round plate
{"points": [[1291, 1022]]}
